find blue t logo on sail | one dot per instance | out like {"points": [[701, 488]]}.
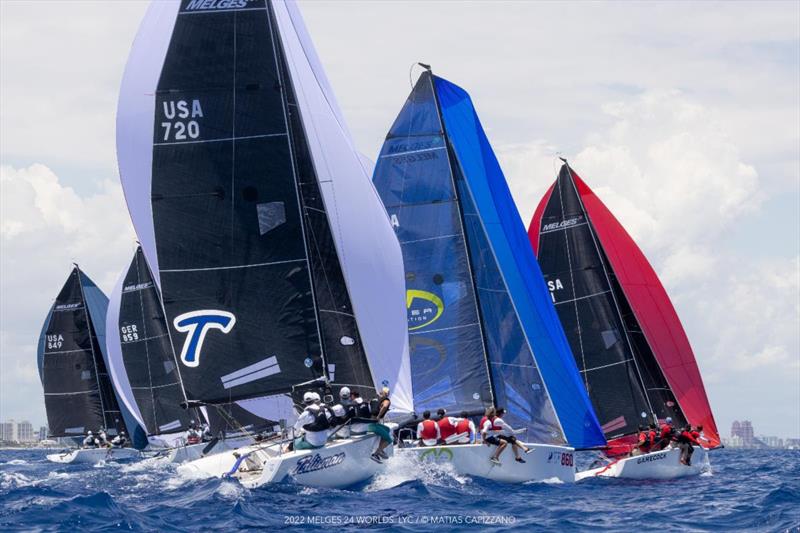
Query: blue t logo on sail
{"points": [[197, 324]]}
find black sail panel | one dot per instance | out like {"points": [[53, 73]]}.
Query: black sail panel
{"points": [[78, 392], [345, 358], [578, 277], [250, 280], [147, 352]]}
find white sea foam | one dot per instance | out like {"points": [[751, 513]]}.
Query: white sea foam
{"points": [[14, 480], [230, 490], [402, 468], [16, 462]]}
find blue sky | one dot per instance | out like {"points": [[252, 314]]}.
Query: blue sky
{"points": [[683, 117]]}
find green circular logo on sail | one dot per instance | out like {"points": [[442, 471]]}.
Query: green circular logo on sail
{"points": [[424, 308]]}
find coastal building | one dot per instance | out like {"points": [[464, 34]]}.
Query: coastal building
{"points": [[42, 432], [25, 432], [8, 431], [744, 430]]}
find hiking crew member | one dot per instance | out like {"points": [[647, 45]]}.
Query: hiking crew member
{"points": [[428, 431], [120, 440], [379, 429], [342, 413], [193, 434], [685, 441], [88, 442], [666, 435], [313, 422], [447, 426], [102, 440], [643, 443], [465, 430], [507, 434], [359, 426], [489, 434]]}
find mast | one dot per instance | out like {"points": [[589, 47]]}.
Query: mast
{"points": [[450, 161], [613, 296]]}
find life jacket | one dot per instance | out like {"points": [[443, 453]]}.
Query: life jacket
{"points": [[193, 439], [446, 428], [363, 410], [462, 426], [667, 431], [686, 437], [321, 422], [695, 434], [428, 430], [651, 435], [374, 406], [493, 428], [643, 440]]}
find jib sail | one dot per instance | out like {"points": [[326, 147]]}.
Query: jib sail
{"points": [[481, 326], [78, 393], [612, 307], [265, 236]]}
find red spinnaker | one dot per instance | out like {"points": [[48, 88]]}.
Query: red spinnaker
{"points": [[650, 304]]}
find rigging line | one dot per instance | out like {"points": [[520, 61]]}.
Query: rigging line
{"points": [[273, 25], [91, 343], [572, 283], [146, 348], [610, 286]]}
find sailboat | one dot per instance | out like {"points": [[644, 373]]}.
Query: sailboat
{"points": [[278, 268], [482, 329], [78, 393], [629, 344], [145, 371]]}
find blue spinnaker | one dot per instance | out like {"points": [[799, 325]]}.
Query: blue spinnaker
{"points": [[518, 274]]}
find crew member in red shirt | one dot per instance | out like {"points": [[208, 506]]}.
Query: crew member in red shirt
{"points": [[686, 441], [427, 430], [447, 426], [666, 435]]}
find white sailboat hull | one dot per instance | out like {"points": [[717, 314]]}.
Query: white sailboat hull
{"points": [[192, 452], [95, 455], [663, 464], [340, 464], [544, 463]]}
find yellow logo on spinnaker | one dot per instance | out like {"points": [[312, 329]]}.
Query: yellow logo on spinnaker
{"points": [[427, 315]]}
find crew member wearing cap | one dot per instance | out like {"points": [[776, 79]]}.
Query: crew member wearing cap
{"points": [[343, 412], [313, 422], [667, 433]]}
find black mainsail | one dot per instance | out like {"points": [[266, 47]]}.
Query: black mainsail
{"points": [[78, 393], [260, 281]]}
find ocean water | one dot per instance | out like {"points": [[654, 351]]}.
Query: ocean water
{"points": [[746, 491]]}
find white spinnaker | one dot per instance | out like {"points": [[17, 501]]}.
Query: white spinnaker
{"points": [[368, 250], [115, 363], [135, 117]]}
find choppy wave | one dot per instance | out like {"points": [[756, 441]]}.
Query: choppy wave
{"points": [[748, 490]]}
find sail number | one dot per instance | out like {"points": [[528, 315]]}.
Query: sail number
{"points": [[129, 333], [181, 120], [54, 342]]}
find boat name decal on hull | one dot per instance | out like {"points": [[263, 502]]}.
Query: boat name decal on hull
{"points": [[651, 458], [315, 462]]}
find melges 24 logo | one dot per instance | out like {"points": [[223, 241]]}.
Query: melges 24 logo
{"points": [[197, 324]]}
